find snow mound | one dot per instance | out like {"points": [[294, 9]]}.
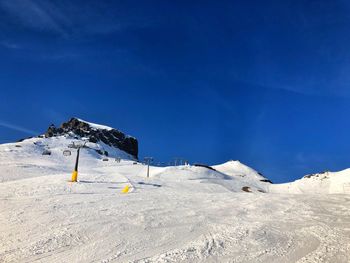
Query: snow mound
{"points": [[320, 183], [236, 168], [244, 173], [208, 176]]}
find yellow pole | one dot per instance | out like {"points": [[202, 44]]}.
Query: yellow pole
{"points": [[74, 176], [75, 172]]}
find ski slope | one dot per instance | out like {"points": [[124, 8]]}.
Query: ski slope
{"points": [[178, 214], [320, 183]]}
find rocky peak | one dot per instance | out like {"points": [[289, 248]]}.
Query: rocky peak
{"points": [[95, 133]]}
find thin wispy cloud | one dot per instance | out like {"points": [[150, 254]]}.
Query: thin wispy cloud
{"points": [[70, 19], [10, 45], [17, 128], [36, 15]]}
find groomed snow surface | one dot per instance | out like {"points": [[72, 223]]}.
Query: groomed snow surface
{"points": [[179, 214]]}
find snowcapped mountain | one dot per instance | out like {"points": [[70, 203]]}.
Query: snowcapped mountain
{"points": [[95, 133], [47, 153]]}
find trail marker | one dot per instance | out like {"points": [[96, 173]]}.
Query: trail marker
{"points": [[126, 189]]}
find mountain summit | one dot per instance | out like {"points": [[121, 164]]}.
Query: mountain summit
{"points": [[95, 133]]}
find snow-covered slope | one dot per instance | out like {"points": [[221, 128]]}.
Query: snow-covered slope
{"points": [[27, 158], [321, 183], [179, 214], [244, 173], [209, 176], [236, 168]]}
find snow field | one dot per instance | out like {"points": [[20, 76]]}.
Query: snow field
{"points": [[179, 214]]}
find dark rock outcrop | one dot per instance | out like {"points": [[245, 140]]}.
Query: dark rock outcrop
{"points": [[112, 137], [266, 181], [204, 165]]}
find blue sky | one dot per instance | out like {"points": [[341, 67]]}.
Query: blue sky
{"points": [[265, 82]]}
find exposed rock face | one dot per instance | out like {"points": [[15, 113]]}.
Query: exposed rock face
{"points": [[95, 134]]}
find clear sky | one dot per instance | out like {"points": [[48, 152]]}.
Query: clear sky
{"points": [[265, 82]]}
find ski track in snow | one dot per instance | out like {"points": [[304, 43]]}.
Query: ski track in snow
{"points": [[179, 214]]}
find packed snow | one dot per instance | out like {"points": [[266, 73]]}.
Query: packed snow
{"points": [[179, 214]]}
